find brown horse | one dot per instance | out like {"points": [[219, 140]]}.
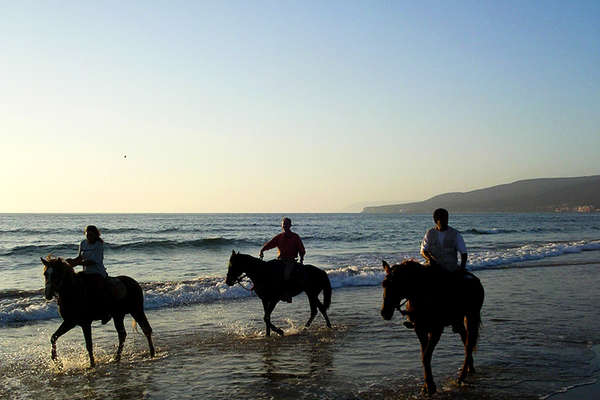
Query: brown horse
{"points": [[76, 306], [267, 277], [436, 300]]}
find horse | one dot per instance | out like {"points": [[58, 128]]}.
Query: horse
{"points": [[436, 300], [76, 306], [267, 278]]}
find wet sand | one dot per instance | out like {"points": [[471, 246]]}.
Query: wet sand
{"points": [[539, 327]]}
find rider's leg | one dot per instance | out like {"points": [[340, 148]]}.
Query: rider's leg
{"points": [[408, 312], [288, 268]]}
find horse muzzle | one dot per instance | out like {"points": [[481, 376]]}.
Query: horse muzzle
{"points": [[387, 313], [49, 294], [49, 291]]}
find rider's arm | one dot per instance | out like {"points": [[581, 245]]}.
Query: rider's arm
{"points": [[425, 250], [79, 260], [271, 244], [428, 256], [463, 260], [73, 262], [301, 250], [462, 248]]}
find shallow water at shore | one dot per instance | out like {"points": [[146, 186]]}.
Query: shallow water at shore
{"points": [[539, 325]]}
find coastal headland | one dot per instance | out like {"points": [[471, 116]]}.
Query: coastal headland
{"points": [[577, 194]]}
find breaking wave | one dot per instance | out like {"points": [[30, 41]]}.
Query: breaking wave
{"points": [[26, 306]]}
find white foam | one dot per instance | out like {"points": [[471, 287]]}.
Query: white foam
{"points": [[33, 307]]}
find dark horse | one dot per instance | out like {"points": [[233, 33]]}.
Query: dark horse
{"points": [[77, 308], [436, 300], [267, 277]]}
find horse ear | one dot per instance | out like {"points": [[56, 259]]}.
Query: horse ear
{"points": [[386, 266], [43, 261], [233, 252]]}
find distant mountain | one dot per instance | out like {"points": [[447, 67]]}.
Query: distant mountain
{"points": [[580, 194]]}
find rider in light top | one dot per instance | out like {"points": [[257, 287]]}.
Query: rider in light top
{"points": [[91, 253], [441, 244], [439, 247], [91, 257]]}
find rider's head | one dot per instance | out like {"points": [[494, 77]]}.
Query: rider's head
{"points": [[286, 224], [92, 233], [440, 217]]}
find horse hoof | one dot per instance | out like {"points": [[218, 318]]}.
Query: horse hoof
{"points": [[429, 389]]}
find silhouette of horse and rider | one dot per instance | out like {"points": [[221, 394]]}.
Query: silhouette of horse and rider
{"points": [[438, 294]]}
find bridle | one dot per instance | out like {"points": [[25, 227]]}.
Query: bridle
{"points": [[399, 305], [239, 281], [56, 287]]}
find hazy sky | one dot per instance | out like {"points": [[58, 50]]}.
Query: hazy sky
{"points": [[227, 106]]}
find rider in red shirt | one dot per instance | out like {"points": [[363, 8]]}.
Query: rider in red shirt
{"points": [[287, 242], [290, 247]]}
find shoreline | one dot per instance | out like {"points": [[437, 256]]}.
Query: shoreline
{"points": [[531, 347], [585, 390]]}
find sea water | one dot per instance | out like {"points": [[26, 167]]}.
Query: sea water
{"points": [[539, 271]]}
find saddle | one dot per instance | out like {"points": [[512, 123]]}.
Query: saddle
{"points": [[445, 308]]}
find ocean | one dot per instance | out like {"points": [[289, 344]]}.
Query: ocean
{"points": [[540, 319]]}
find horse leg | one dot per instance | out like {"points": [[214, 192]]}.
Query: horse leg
{"points": [[323, 311], [65, 327], [313, 309], [269, 307], [472, 334], [267, 320], [460, 329], [120, 327], [87, 334], [428, 342], [140, 318]]}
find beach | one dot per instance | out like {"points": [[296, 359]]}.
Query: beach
{"points": [[530, 347], [538, 339]]}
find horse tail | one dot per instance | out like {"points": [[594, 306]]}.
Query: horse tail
{"points": [[326, 290], [474, 321]]}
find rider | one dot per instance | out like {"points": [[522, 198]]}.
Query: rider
{"points": [[290, 246], [442, 242], [91, 257], [439, 247]]}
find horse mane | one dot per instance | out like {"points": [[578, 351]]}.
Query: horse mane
{"points": [[411, 263], [58, 261], [249, 258]]}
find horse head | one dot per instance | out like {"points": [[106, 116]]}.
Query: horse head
{"points": [[56, 273], [234, 270], [396, 285]]}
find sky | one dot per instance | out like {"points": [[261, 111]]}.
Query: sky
{"points": [[290, 106]]}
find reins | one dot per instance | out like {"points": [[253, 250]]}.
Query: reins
{"points": [[399, 306], [239, 281]]}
